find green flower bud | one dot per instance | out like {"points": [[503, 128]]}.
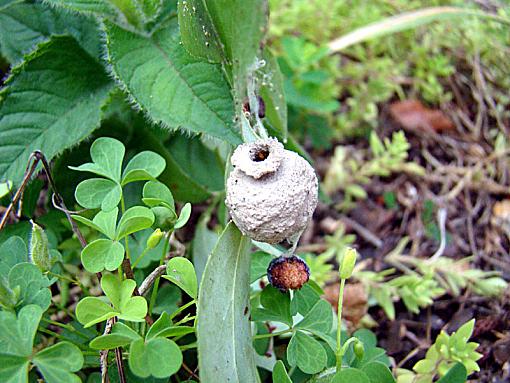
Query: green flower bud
{"points": [[359, 350], [154, 239], [348, 262], [39, 250]]}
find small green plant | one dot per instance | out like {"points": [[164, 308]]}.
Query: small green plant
{"points": [[349, 170], [447, 352]]}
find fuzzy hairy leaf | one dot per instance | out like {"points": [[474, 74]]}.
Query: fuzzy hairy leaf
{"points": [[50, 103], [169, 84], [24, 25], [223, 327]]}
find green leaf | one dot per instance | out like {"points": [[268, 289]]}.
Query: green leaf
{"points": [[107, 155], [99, 7], [223, 326], [367, 337], [65, 83], [98, 192], [456, 374], [273, 95], [377, 372], [173, 87], [203, 244], [58, 362], [280, 374], [306, 353], [144, 166], [198, 33], [121, 335], [5, 188], [275, 306], [240, 25], [134, 219], [32, 285], [92, 310], [155, 193], [12, 251], [183, 217], [129, 308], [23, 25], [13, 369], [350, 375], [180, 271], [318, 319], [102, 254], [17, 333], [259, 262], [159, 357], [104, 222], [304, 299]]}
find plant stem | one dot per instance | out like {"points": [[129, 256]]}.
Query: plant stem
{"points": [[339, 351], [154, 293], [126, 239], [144, 252], [271, 334]]}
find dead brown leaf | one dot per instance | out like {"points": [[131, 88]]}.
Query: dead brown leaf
{"points": [[355, 302], [415, 116]]}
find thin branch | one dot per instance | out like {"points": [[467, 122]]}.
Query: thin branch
{"points": [[149, 281]]}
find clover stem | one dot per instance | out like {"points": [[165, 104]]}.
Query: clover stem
{"points": [[144, 252], [126, 239], [271, 334], [339, 350], [155, 287]]}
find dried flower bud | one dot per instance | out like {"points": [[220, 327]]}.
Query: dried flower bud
{"points": [[271, 192], [288, 273]]}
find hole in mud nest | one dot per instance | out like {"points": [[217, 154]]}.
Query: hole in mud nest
{"points": [[259, 155]]}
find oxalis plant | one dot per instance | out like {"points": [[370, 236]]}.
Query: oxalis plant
{"points": [[202, 67]]}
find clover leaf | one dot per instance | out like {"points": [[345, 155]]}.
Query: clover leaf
{"points": [[56, 363], [306, 353], [275, 307], [98, 192], [104, 222], [144, 166], [134, 219], [155, 193], [180, 271], [155, 355], [92, 310], [107, 155], [102, 254]]}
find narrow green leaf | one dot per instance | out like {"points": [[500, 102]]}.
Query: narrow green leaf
{"points": [[180, 271], [306, 353], [223, 327], [143, 167], [50, 102], [98, 192], [58, 362], [134, 219], [280, 374], [405, 21], [102, 254], [170, 85]]}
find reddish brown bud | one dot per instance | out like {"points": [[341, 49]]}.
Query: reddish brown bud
{"points": [[288, 273]]}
